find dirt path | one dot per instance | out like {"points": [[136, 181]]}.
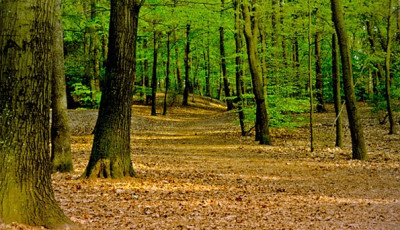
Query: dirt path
{"points": [[196, 172]]}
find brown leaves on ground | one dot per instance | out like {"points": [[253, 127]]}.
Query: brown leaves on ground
{"points": [[195, 171]]}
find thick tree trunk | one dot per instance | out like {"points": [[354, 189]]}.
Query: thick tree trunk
{"points": [[392, 123], [26, 195], [239, 66], [356, 129], [60, 135], [336, 91], [167, 80], [262, 120], [154, 76], [187, 67], [110, 157], [229, 102]]}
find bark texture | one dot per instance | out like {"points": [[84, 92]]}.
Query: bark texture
{"points": [[229, 102], [389, 106], [60, 135], [356, 129], [239, 66], [262, 119], [110, 156], [26, 195], [336, 91]]}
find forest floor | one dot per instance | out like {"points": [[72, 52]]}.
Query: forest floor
{"points": [[195, 171]]}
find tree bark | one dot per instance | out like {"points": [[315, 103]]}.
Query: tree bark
{"points": [[239, 66], [392, 123], [208, 79], [110, 157], [94, 53], [336, 91], [319, 83], [310, 80], [229, 102], [60, 135], [167, 80], [356, 129], [262, 120], [187, 67], [26, 194], [154, 76]]}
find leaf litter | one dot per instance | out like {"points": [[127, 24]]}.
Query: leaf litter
{"points": [[195, 171]]}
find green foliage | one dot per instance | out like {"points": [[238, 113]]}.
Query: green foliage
{"points": [[84, 96]]}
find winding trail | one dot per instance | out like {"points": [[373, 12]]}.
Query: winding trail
{"points": [[195, 171]]}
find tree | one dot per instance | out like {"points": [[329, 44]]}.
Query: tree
{"points": [[60, 135], [336, 91], [392, 129], [223, 62], [319, 84], [262, 120], [310, 78], [239, 66], [167, 80], [187, 67], [26, 195], [357, 133], [154, 75], [110, 156]]}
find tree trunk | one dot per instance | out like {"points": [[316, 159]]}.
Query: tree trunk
{"points": [[208, 79], [262, 120], [167, 80], [187, 67], [239, 66], [154, 76], [336, 91], [146, 77], [229, 102], [26, 194], [356, 129], [319, 84], [392, 129], [110, 157], [94, 54], [310, 80], [60, 135], [398, 21]]}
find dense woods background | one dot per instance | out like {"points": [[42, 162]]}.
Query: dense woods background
{"points": [[275, 64]]}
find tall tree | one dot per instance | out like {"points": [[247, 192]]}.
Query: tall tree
{"points": [[310, 80], [336, 91], [154, 76], [239, 66], [110, 156], [319, 83], [392, 123], [26, 195], [356, 129], [60, 135], [223, 61], [262, 119], [187, 67], [167, 80]]}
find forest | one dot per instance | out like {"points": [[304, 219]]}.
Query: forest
{"points": [[199, 114]]}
